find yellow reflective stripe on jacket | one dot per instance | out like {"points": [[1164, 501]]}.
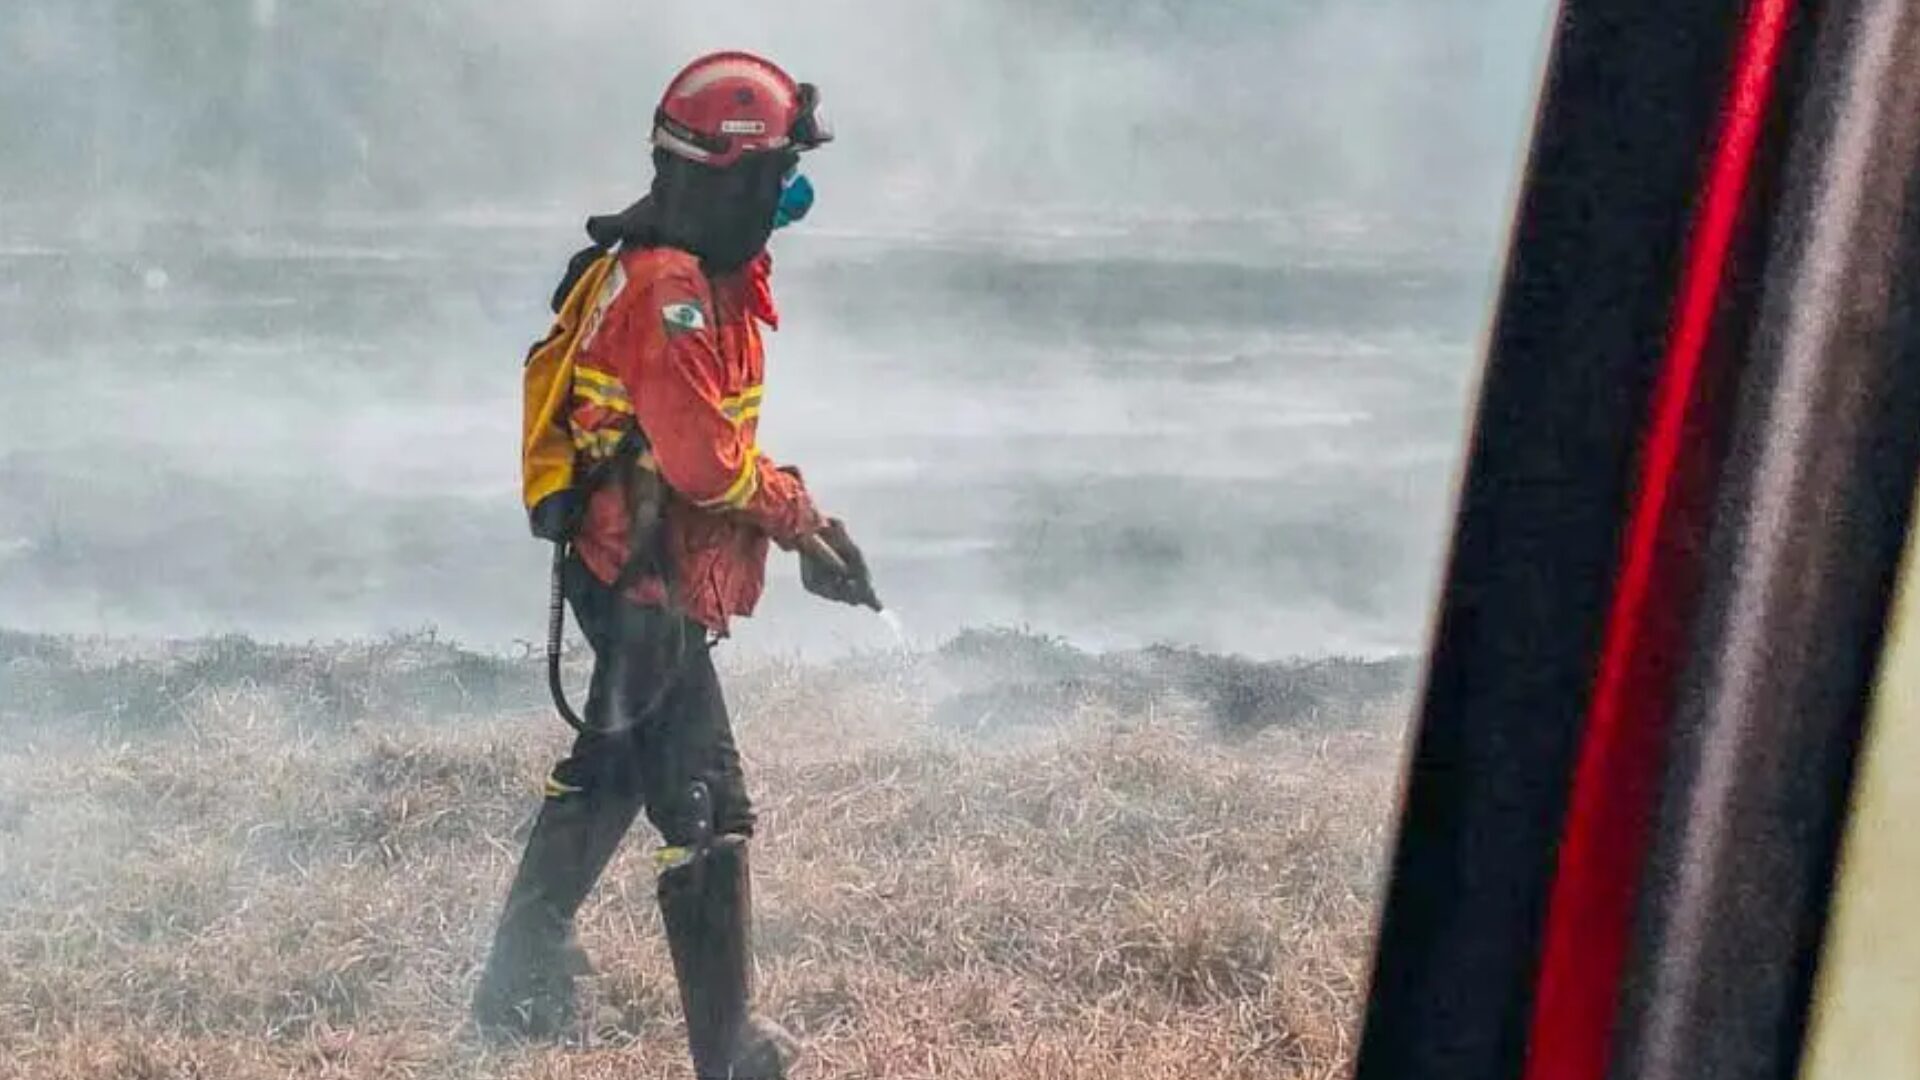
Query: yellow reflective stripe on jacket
{"points": [[599, 442], [744, 488], [598, 378], [602, 389], [744, 405], [613, 402]]}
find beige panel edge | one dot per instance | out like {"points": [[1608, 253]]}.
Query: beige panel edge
{"points": [[1866, 1014]]}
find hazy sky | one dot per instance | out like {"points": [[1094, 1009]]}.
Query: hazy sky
{"points": [[274, 107], [1174, 294]]}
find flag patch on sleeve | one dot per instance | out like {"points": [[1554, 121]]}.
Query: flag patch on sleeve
{"points": [[683, 318]]}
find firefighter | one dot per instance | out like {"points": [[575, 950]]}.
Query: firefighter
{"points": [[667, 394]]}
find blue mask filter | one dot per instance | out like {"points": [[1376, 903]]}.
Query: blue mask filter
{"points": [[796, 198]]}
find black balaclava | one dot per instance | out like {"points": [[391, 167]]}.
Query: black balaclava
{"points": [[724, 216]]}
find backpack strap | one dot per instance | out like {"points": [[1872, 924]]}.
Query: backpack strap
{"points": [[577, 268]]}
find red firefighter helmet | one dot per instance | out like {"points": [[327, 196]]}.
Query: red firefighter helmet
{"points": [[727, 105]]}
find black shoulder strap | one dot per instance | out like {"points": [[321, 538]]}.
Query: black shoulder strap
{"points": [[577, 267]]}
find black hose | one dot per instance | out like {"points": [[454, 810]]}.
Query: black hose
{"points": [[556, 627]]}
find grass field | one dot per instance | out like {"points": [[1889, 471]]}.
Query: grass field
{"points": [[1002, 859]]}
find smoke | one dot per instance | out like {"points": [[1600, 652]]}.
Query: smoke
{"points": [[255, 107], [1123, 319]]}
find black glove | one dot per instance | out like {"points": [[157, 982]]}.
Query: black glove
{"points": [[831, 567]]}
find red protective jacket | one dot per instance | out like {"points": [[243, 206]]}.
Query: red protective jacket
{"points": [[682, 355]]}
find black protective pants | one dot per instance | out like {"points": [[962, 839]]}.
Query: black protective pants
{"points": [[658, 726], [658, 719]]}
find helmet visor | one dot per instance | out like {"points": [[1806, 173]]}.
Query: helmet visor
{"points": [[813, 129]]}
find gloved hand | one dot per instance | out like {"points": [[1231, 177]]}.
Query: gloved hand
{"points": [[831, 567]]}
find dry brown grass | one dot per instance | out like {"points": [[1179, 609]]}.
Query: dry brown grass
{"points": [[266, 885]]}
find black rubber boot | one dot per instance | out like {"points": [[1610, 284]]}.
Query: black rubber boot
{"points": [[527, 989], [707, 904]]}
